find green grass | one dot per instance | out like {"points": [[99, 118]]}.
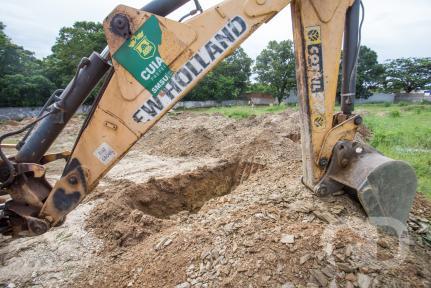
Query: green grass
{"points": [[240, 112], [403, 131], [400, 131]]}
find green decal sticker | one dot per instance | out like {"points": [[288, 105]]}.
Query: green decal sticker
{"points": [[140, 56]]}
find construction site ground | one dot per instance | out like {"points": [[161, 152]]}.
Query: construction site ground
{"points": [[208, 201]]}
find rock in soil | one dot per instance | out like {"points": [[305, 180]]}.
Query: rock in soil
{"points": [[208, 201]]}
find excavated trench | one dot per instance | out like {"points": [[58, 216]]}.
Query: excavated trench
{"points": [[135, 211], [164, 197]]}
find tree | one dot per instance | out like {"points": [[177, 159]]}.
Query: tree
{"points": [[275, 67], [259, 88], [408, 74], [13, 58], [370, 73], [228, 80], [238, 67], [24, 90], [21, 80], [72, 44]]}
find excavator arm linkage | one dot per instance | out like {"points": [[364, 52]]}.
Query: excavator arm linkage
{"points": [[153, 62]]}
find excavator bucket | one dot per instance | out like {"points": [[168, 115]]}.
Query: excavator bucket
{"points": [[385, 187], [332, 160]]}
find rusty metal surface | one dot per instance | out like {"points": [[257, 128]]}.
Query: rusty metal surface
{"points": [[23, 176], [27, 197], [123, 113], [67, 193], [37, 170], [345, 130], [48, 158], [384, 187]]}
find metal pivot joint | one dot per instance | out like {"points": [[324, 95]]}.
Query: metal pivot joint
{"points": [[120, 26]]}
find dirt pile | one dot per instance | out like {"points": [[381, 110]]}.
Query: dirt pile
{"points": [[219, 203], [245, 221], [241, 149], [263, 138]]}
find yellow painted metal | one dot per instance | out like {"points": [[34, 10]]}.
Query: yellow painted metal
{"points": [[318, 30], [184, 54], [176, 39], [48, 158], [100, 147], [127, 110], [344, 131], [263, 7]]}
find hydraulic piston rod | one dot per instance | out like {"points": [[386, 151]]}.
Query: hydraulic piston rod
{"points": [[77, 91], [350, 58]]}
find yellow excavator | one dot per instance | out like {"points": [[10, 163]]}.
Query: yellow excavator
{"points": [[152, 62]]}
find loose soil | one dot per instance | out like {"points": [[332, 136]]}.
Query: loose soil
{"points": [[208, 201]]}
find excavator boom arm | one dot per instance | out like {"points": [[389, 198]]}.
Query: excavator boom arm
{"points": [[153, 62]]}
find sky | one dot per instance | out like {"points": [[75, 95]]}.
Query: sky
{"points": [[393, 28]]}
